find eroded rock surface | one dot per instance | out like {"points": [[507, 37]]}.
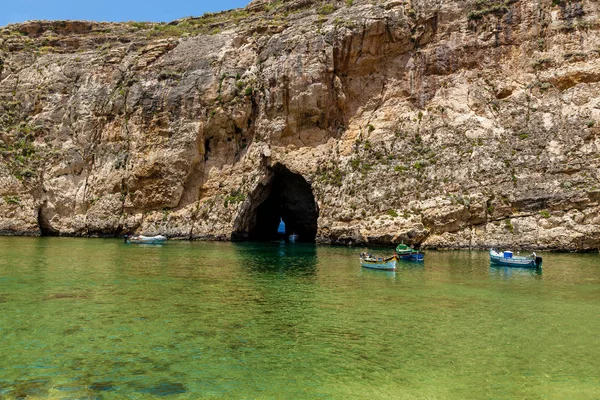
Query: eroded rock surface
{"points": [[446, 123]]}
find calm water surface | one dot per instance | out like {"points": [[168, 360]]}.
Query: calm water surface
{"points": [[99, 319]]}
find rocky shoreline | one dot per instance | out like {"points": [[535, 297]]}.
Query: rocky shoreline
{"points": [[360, 242]]}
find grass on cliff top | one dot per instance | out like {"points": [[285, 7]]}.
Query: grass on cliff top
{"points": [[272, 13], [212, 23], [209, 23]]}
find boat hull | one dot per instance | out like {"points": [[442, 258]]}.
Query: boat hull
{"points": [[407, 253], [412, 256], [382, 264], [147, 239], [520, 262]]}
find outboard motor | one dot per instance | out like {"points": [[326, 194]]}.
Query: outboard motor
{"points": [[538, 261]]}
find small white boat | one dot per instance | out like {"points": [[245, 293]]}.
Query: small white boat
{"points": [[381, 263], [141, 239], [507, 259]]}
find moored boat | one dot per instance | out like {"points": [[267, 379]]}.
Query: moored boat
{"points": [[141, 239], [381, 263], [408, 253], [507, 259]]}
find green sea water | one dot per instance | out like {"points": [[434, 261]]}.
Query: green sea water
{"points": [[100, 319]]}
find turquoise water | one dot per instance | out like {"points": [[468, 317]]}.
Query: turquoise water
{"points": [[99, 319]]}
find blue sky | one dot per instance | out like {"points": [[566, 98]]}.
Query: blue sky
{"points": [[110, 10]]}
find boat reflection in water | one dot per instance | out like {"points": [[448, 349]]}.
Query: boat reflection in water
{"points": [[378, 273], [506, 273]]}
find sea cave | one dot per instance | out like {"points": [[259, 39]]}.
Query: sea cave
{"points": [[285, 196]]}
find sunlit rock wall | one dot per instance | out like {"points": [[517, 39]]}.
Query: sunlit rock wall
{"points": [[442, 123]]}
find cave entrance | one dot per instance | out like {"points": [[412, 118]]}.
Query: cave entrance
{"points": [[44, 224], [284, 196]]}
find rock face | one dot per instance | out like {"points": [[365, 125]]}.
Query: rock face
{"points": [[449, 124]]}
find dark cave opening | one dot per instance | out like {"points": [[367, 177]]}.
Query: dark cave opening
{"points": [[206, 148], [286, 196], [44, 224]]}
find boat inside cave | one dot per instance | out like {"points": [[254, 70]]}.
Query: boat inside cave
{"points": [[286, 197]]}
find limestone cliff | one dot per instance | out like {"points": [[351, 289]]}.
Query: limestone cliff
{"points": [[447, 123]]}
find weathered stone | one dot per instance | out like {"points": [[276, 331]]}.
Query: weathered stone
{"points": [[437, 123]]}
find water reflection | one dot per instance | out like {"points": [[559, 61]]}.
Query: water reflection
{"points": [[507, 273], [378, 273], [460, 263], [294, 259], [408, 264], [100, 319]]}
